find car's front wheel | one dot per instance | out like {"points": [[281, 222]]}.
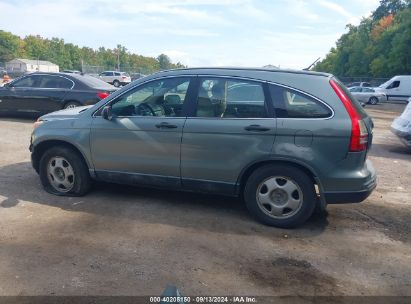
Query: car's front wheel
{"points": [[373, 100], [280, 195], [64, 172], [116, 83], [71, 105]]}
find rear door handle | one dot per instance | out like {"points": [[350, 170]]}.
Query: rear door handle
{"points": [[256, 128], [166, 125]]}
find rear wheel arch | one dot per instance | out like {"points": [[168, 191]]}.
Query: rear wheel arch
{"points": [[43, 146], [242, 180]]}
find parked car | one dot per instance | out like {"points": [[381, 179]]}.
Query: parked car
{"points": [[368, 95], [136, 76], [41, 93], [401, 126], [359, 84], [115, 78], [287, 142], [71, 71], [397, 88]]}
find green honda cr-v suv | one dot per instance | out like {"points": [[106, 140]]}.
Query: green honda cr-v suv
{"points": [[285, 141]]}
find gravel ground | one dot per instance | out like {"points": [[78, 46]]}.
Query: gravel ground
{"points": [[131, 241]]}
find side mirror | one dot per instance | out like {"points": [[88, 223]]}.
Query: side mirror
{"points": [[107, 113]]}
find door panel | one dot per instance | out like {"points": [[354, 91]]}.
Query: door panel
{"points": [[141, 145], [231, 131], [137, 145], [7, 100], [39, 100], [219, 149]]}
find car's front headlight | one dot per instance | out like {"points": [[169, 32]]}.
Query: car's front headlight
{"points": [[38, 123]]}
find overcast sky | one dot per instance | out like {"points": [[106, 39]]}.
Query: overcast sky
{"points": [[291, 33]]}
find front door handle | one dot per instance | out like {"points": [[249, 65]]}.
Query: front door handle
{"points": [[256, 128], [166, 125]]}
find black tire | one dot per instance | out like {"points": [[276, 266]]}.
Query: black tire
{"points": [[71, 104], [116, 83], [81, 177], [298, 177], [373, 100]]}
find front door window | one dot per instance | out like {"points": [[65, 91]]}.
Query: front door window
{"points": [[161, 98]]}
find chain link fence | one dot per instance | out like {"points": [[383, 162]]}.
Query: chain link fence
{"points": [[375, 82]]}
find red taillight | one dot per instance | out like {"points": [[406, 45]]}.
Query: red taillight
{"points": [[359, 132], [102, 95], [123, 77]]}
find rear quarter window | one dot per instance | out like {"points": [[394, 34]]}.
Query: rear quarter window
{"points": [[289, 103]]}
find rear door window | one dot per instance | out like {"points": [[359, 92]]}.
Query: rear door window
{"points": [[289, 103], [54, 82], [230, 98]]}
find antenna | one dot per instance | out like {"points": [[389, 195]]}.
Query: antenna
{"points": [[312, 64]]}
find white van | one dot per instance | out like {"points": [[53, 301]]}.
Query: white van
{"points": [[397, 88]]}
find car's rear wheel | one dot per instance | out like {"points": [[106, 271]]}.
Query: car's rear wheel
{"points": [[116, 83], [71, 105], [373, 100], [280, 195], [64, 172]]}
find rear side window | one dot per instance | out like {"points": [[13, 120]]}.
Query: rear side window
{"points": [[289, 103], [55, 82], [230, 98], [93, 82]]}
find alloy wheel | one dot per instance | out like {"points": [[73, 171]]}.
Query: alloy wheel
{"points": [[60, 174], [279, 197]]}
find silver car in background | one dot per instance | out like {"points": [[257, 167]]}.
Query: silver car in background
{"points": [[115, 78], [401, 126], [368, 95]]}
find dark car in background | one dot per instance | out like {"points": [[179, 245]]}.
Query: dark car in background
{"points": [[41, 93]]}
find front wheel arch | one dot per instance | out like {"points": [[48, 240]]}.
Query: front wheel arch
{"points": [[40, 148], [66, 102]]}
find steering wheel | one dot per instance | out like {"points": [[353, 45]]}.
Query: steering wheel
{"points": [[144, 109]]}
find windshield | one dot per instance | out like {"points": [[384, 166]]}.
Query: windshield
{"points": [[385, 84]]}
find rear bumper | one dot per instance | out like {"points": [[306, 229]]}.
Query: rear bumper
{"points": [[368, 184], [405, 137]]}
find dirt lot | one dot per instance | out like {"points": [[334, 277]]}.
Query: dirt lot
{"points": [[130, 241]]}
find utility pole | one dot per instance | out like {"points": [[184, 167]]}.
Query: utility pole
{"points": [[118, 58]]}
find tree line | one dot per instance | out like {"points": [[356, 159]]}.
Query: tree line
{"points": [[380, 46], [73, 57]]}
